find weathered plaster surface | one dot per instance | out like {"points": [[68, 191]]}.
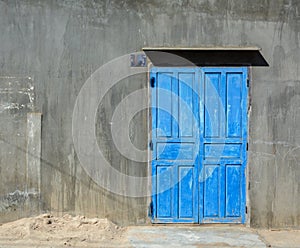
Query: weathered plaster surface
{"points": [[59, 44]]}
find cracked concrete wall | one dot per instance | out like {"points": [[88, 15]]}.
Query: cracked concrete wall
{"points": [[59, 44]]}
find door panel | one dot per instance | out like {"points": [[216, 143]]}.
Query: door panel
{"points": [[212, 103], [211, 191], [186, 86], [164, 100], [164, 185], [233, 191], [174, 150], [233, 104], [186, 185]]}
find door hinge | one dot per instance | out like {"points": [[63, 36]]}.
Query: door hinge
{"points": [[152, 82], [246, 209], [247, 146], [150, 210], [151, 145], [248, 82]]}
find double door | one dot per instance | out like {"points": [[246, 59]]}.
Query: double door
{"points": [[199, 144]]}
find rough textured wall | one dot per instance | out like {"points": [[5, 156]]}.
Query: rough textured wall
{"points": [[17, 98], [60, 43]]}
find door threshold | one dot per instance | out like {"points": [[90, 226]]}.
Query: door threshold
{"points": [[199, 224]]}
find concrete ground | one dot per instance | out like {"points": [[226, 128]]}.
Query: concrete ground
{"points": [[194, 236], [281, 238], [210, 236]]}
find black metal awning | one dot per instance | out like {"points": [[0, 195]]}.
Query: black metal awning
{"points": [[249, 56]]}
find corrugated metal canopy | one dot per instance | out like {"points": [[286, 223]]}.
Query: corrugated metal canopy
{"points": [[247, 56]]}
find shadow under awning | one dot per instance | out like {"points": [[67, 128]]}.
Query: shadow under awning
{"points": [[168, 57]]}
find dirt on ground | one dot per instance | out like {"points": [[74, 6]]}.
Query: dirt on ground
{"points": [[281, 238], [50, 231], [78, 231]]}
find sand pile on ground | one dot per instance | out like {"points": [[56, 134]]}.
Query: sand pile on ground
{"points": [[62, 231]]}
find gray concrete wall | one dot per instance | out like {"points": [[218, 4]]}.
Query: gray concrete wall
{"points": [[17, 98], [59, 44]]}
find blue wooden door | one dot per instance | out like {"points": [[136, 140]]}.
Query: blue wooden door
{"points": [[199, 135], [175, 139], [223, 145]]}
